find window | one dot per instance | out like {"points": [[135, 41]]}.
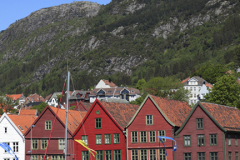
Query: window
{"points": [[188, 156], [194, 88], [8, 143], [236, 140], [149, 119], [190, 88], [85, 139], [229, 155], [143, 154], [152, 136], [162, 133], [15, 146], [54, 157], [34, 144], [117, 154], [134, 137], [99, 155], [236, 156], [108, 155], [213, 139], [5, 129], [48, 125], [199, 123], [98, 123], [34, 157], [61, 144], [134, 154], [214, 155], [107, 138], [116, 138], [61, 157], [85, 155], [98, 139], [201, 155], [187, 140], [6, 159], [143, 136], [162, 154], [152, 154], [201, 141], [229, 140], [44, 143]]}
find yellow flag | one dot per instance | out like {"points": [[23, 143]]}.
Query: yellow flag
{"points": [[85, 146]]}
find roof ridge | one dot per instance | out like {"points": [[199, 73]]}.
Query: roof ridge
{"points": [[220, 105]]}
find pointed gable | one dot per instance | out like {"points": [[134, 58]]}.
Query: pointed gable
{"points": [[175, 112]]}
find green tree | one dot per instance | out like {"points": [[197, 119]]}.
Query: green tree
{"points": [[140, 84], [40, 107], [225, 91], [7, 103], [160, 86], [181, 94], [211, 72]]}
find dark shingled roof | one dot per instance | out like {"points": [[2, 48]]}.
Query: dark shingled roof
{"points": [[121, 112], [227, 117], [176, 111]]}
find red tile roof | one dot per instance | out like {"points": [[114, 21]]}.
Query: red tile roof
{"points": [[111, 84], [24, 121], [175, 111], [74, 117], [48, 97], [121, 112], [14, 96], [183, 81], [23, 111], [35, 98], [209, 85], [227, 117]]}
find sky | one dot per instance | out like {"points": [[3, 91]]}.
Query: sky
{"points": [[12, 10]]}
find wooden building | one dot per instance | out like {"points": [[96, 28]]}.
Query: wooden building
{"points": [[155, 117], [102, 129], [37, 138], [210, 132]]}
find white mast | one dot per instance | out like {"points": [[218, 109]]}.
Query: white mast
{"points": [[68, 81]]}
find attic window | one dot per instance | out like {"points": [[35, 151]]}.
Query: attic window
{"points": [[20, 127]]}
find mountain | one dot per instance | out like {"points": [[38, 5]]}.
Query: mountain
{"points": [[124, 40]]}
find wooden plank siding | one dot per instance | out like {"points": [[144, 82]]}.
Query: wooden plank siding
{"points": [[39, 132], [109, 126], [209, 127]]}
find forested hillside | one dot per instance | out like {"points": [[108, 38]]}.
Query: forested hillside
{"points": [[124, 40]]}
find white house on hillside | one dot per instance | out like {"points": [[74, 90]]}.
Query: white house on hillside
{"points": [[103, 83], [127, 93], [198, 88], [12, 129]]}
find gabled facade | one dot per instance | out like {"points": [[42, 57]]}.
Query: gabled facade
{"points": [[78, 96], [155, 117], [12, 129], [37, 137], [103, 83], [210, 132], [103, 130], [83, 106], [127, 93]]}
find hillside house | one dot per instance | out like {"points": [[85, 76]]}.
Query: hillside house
{"points": [[198, 88], [103, 130], [155, 117], [127, 93], [37, 137], [103, 83], [34, 98], [77, 96], [13, 128], [18, 98], [211, 131]]}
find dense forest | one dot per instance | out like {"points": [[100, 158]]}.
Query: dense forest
{"points": [[181, 54]]}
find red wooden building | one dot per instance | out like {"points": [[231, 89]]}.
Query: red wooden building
{"points": [[155, 117], [211, 132], [103, 130], [37, 138]]}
